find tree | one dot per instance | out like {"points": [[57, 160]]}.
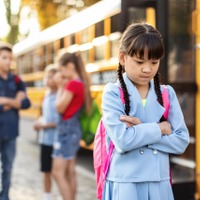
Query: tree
{"points": [[52, 11], [13, 21], [90, 2], [49, 12]]}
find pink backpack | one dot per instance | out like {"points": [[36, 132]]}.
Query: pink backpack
{"points": [[102, 157]]}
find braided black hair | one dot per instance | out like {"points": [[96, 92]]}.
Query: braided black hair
{"points": [[158, 92], [136, 38], [124, 88]]}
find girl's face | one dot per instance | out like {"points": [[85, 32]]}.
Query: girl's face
{"points": [[139, 70], [67, 71]]}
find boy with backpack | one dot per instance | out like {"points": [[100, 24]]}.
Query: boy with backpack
{"points": [[12, 99]]}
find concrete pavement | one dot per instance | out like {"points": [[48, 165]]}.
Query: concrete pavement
{"points": [[27, 179]]}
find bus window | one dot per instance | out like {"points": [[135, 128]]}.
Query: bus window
{"points": [[38, 60], [99, 52], [115, 25], [85, 56], [20, 65], [69, 40], [103, 77], [136, 15], [72, 39], [49, 54], [181, 40], [114, 43], [62, 43], [56, 45], [85, 37], [95, 78], [100, 45], [29, 63], [183, 165], [99, 29], [109, 76]]}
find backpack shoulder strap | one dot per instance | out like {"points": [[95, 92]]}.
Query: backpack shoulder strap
{"points": [[17, 81], [166, 102], [121, 94], [165, 96]]}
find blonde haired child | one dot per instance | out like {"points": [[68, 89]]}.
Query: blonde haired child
{"points": [[47, 127]]}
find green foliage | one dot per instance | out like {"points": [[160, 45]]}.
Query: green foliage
{"points": [[49, 13]]}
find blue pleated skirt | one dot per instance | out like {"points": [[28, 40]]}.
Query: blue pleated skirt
{"points": [[138, 191]]}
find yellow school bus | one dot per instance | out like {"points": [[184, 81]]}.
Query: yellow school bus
{"points": [[96, 31]]}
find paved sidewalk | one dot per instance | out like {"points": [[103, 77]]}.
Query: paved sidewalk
{"points": [[27, 180]]}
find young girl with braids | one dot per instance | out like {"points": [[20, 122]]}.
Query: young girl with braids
{"points": [[73, 93], [143, 139]]}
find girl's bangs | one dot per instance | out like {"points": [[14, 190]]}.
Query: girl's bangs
{"points": [[146, 41]]}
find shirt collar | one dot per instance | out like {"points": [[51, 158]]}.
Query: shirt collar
{"points": [[10, 76], [132, 89]]}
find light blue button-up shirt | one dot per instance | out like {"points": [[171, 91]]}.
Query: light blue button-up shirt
{"points": [[142, 152], [49, 115]]}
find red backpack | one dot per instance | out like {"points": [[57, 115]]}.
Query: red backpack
{"points": [[102, 157]]}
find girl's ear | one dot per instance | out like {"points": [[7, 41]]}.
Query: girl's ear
{"points": [[121, 58]]}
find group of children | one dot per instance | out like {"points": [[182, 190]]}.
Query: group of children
{"points": [[142, 137], [60, 131]]}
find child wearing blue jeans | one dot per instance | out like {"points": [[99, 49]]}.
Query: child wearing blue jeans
{"points": [[12, 99], [47, 127]]}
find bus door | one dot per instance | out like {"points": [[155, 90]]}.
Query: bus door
{"points": [[173, 20], [196, 31], [153, 12]]}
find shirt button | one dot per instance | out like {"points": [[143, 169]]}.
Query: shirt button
{"points": [[141, 151], [155, 151]]}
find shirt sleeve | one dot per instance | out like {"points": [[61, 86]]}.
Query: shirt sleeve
{"points": [[1, 108], [20, 84], [177, 142], [125, 138], [71, 86], [25, 103]]}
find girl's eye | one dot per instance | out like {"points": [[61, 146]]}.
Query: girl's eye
{"points": [[155, 62], [139, 62]]}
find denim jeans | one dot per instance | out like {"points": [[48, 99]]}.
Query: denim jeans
{"points": [[7, 154]]}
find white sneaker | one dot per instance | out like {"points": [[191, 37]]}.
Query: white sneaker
{"points": [[47, 196]]}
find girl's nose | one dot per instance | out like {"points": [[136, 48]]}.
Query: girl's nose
{"points": [[146, 69]]}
